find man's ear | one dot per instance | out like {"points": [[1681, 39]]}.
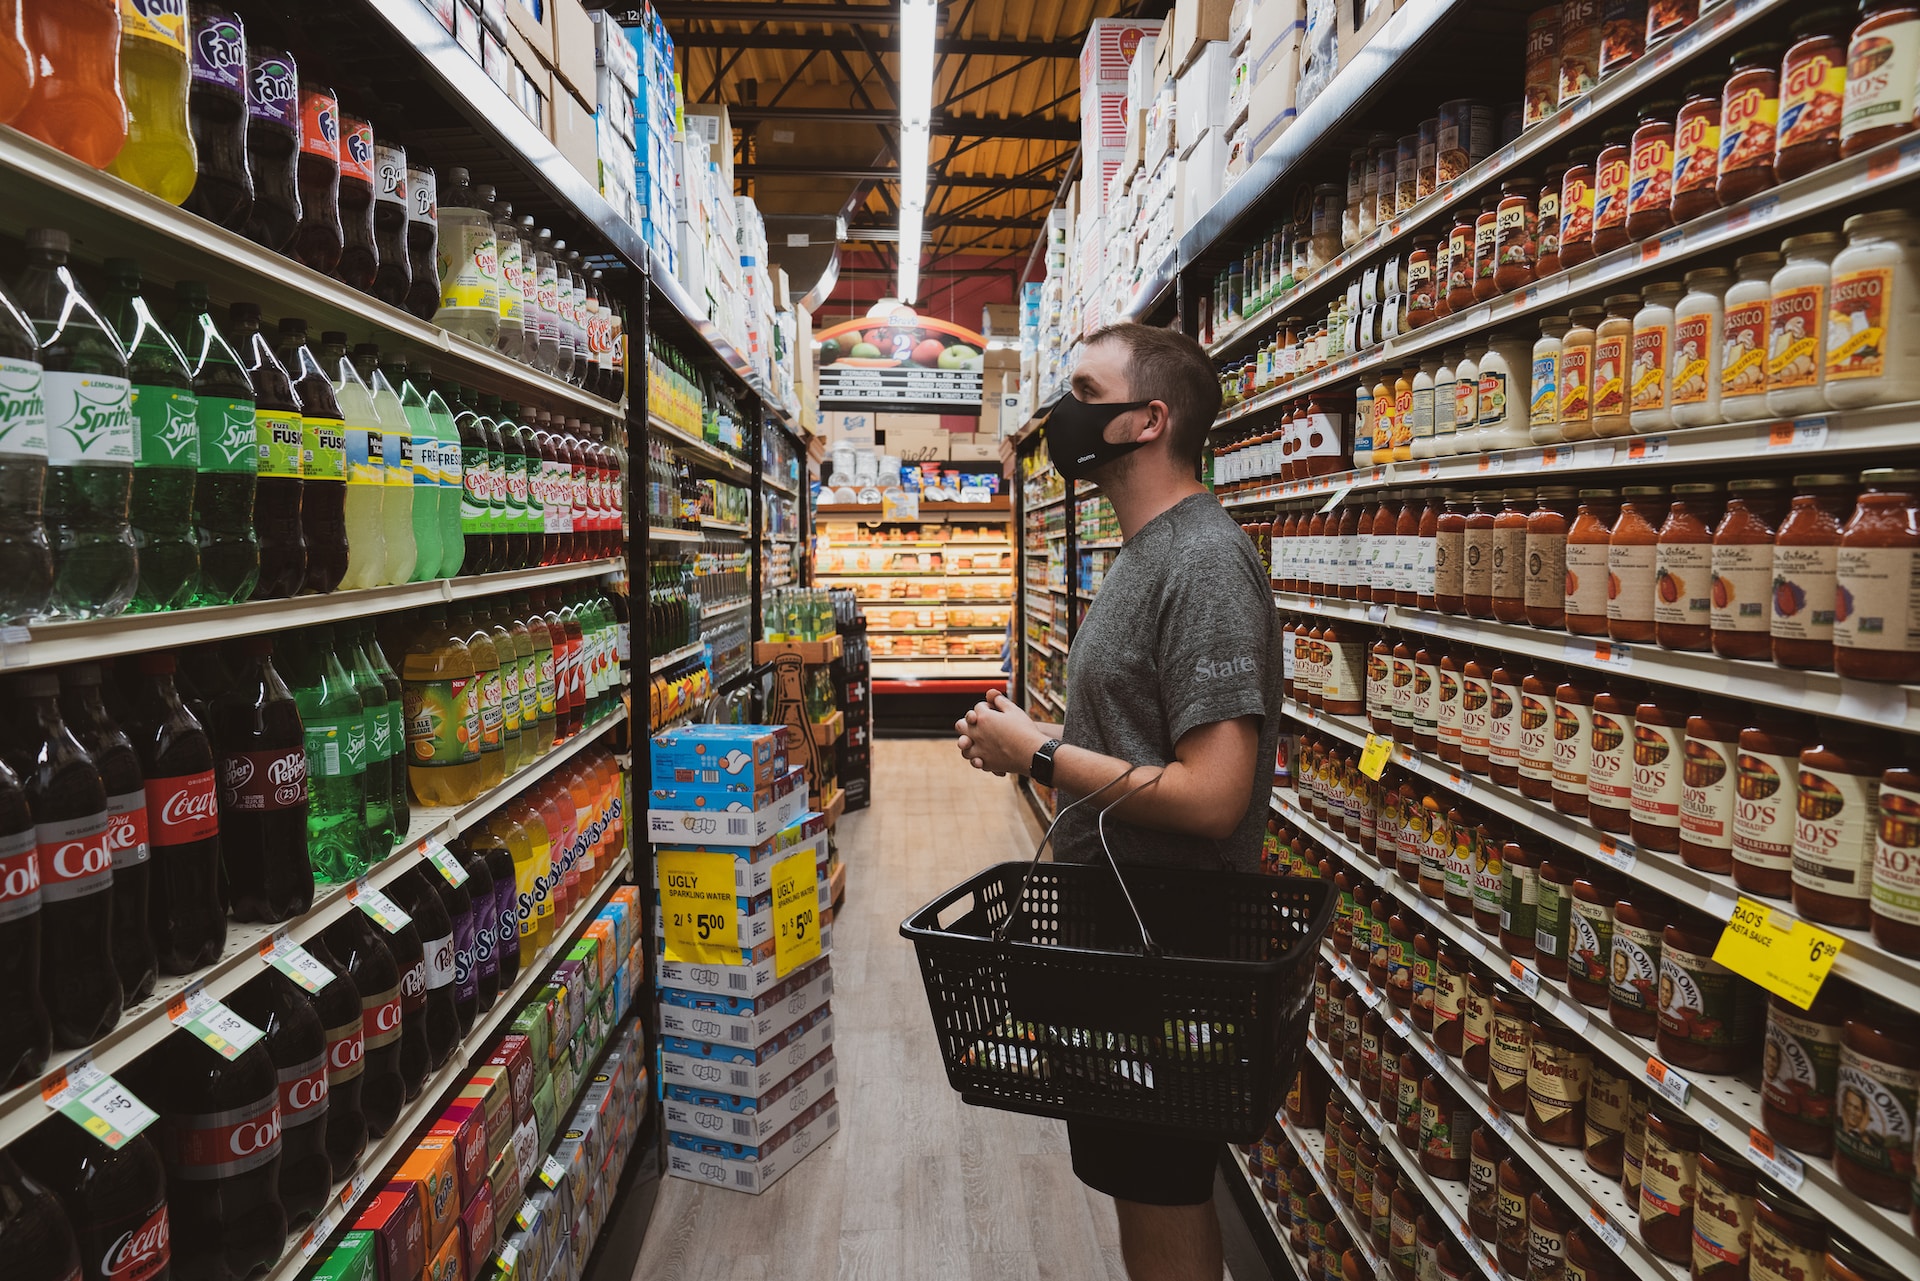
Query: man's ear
{"points": [[1159, 422]]}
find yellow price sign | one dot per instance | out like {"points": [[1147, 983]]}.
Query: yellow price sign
{"points": [[796, 913], [1373, 759], [699, 908], [1777, 950]]}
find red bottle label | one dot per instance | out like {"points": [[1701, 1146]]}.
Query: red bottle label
{"points": [[74, 858], [141, 1252], [380, 1018], [221, 1145], [19, 875], [256, 782], [184, 809], [356, 150], [303, 1090], [127, 829], [346, 1052], [319, 125]]}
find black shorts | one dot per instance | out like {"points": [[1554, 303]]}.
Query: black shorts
{"points": [[1145, 1166]]}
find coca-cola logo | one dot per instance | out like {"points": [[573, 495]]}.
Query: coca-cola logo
{"points": [[253, 1137], [304, 1093], [77, 860], [387, 1017], [139, 1252], [184, 809], [20, 880], [346, 1052], [126, 833]]}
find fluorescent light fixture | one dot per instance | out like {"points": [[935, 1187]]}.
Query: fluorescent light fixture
{"points": [[918, 21]]}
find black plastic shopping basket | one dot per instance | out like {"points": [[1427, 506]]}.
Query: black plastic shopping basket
{"points": [[1172, 999]]}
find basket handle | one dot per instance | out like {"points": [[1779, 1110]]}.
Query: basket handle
{"points": [[1146, 939], [1046, 838]]}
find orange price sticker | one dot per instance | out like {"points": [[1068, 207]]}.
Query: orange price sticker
{"points": [[1649, 250], [1883, 165], [1669, 1082]]}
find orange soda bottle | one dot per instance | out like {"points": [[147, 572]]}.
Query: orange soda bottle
{"points": [[75, 102], [154, 75], [16, 61]]}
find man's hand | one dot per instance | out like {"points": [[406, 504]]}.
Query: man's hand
{"points": [[996, 735]]}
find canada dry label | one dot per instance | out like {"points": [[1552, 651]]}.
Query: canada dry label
{"points": [[89, 419], [1858, 314], [279, 438], [201, 1147], [1741, 588], [1803, 592], [1873, 1120], [1896, 856], [1722, 1225], [474, 282], [323, 449], [263, 781], [226, 431], [1834, 830], [19, 875], [1876, 603], [1793, 337], [164, 21], [128, 839], [443, 722], [1799, 1066], [303, 1091], [183, 809]]}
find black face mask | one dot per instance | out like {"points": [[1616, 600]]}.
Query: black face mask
{"points": [[1074, 435]]}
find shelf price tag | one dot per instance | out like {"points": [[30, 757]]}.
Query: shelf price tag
{"points": [[1376, 613], [796, 913], [1373, 758], [1597, 1220], [698, 907], [551, 1172], [445, 863], [294, 961], [1800, 433], [385, 912], [1647, 449], [1670, 1083], [1615, 853], [96, 1103], [1489, 463], [1777, 950], [1524, 977], [1335, 498], [1499, 1121], [223, 1031], [1781, 1165]]}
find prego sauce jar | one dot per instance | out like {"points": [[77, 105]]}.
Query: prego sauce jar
{"points": [[1876, 1090], [1806, 555], [1876, 625], [1547, 1225], [1485, 1152], [1742, 583], [1800, 1068], [1838, 811]]}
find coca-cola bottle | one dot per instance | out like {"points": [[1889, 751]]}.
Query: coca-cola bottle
{"points": [[338, 1005], [26, 1038], [184, 912], [219, 1135], [297, 1043], [77, 976], [263, 789], [376, 977], [438, 1022], [486, 925], [128, 839], [115, 1199], [35, 1238]]}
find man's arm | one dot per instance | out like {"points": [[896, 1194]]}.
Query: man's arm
{"points": [[1204, 791]]}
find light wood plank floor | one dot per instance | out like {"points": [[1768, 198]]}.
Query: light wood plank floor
{"points": [[916, 1185]]}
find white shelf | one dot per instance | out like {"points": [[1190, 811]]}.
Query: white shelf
{"points": [[667, 534], [50, 644], [1311, 1145], [717, 611], [1100, 544], [722, 526], [671, 657], [144, 1026], [1056, 644], [900, 667]]}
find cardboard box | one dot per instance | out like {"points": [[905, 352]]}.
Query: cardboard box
{"points": [[1110, 48], [728, 827], [1272, 21], [753, 1170], [1359, 21], [741, 1118], [1270, 106], [746, 1071], [747, 980], [356, 1258], [1000, 320], [1199, 181], [532, 19], [393, 1216], [570, 124], [1203, 95], [434, 1168], [1195, 23], [448, 1262], [735, 758], [732, 1020], [571, 54]]}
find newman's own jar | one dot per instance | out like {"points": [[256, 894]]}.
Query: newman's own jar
{"points": [[1800, 1068], [1552, 917], [1837, 818], [1874, 1109], [1876, 624], [1668, 1186], [1896, 863], [1584, 604], [1590, 939], [1742, 586], [1806, 555], [1632, 991], [1709, 1016]]}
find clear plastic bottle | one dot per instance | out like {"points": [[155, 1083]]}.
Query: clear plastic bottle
{"points": [[365, 498], [452, 484], [506, 239], [569, 356], [223, 495], [546, 298], [486, 672], [424, 473], [470, 265], [334, 721], [442, 702], [396, 505]]}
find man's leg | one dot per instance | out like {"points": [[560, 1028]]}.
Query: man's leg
{"points": [[1170, 1242]]}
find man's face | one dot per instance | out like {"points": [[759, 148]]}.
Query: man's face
{"points": [[1853, 1110], [1101, 379]]}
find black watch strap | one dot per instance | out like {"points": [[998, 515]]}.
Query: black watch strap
{"points": [[1041, 770]]}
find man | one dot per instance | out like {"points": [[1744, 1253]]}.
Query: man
{"points": [[1176, 674]]}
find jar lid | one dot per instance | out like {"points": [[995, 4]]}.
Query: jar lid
{"points": [[1695, 488], [1660, 287], [1766, 54], [1618, 136], [1519, 180], [1755, 485], [1584, 155], [1835, 21], [1587, 315], [1810, 242], [1622, 300], [1642, 491], [1709, 278], [1519, 495], [1660, 109], [1598, 495], [1881, 476], [1856, 1258], [1705, 87], [1877, 220], [1768, 262], [1558, 493], [1820, 480], [1547, 322]]}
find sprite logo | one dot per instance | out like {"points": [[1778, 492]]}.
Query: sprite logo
{"points": [[90, 418], [168, 429], [235, 439], [356, 754], [23, 408]]}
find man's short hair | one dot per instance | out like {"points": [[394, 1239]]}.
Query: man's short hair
{"points": [[1174, 369]]}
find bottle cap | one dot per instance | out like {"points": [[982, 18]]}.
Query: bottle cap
{"points": [[48, 238]]}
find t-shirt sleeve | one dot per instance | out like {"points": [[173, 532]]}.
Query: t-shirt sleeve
{"points": [[1216, 634]]}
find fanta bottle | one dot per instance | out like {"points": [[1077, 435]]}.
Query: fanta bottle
{"points": [[366, 466], [320, 240], [396, 508], [154, 75], [75, 103], [441, 702], [359, 257], [217, 110], [273, 147], [16, 61]]}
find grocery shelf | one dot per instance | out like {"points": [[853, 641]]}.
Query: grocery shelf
{"points": [[1056, 644], [726, 607], [1312, 1148], [1861, 961], [933, 631], [145, 1025], [939, 601], [925, 544], [1100, 544], [680, 655], [1621, 89], [913, 573], [998, 506], [382, 1154], [50, 644], [723, 526], [778, 486], [668, 534], [693, 318], [1253, 1201], [1817, 693], [1724, 1106], [1871, 174], [699, 450], [1045, 503], [1152, 289]]}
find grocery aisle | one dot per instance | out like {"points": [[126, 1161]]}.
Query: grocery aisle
{"points": [[916, 1184]]}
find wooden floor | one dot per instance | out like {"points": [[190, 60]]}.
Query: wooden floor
{"points": [[916, 1185]]}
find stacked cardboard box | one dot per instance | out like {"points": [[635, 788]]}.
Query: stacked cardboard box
{"points": [[744, 977]]}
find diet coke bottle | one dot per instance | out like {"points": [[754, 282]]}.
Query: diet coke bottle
{"points": [[376, 977], [69, 802], [35, 1239], [338, 1005], [297, 1044], [219, 1135], [263, 789], [127, 837], [183, 818], [26, 1038], [115, 1199]]}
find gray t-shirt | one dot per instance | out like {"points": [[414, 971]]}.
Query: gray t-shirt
{"points": [[1182, 634]]}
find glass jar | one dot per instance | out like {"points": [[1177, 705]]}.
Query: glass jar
{"points": [[1610, 772], [1553, 916], [1426, 680], [1449, 997], [1519, 898], [1668, 1184], [1476, 1026], [1589, 1259], [1380, 686], [1508, 580], [1386, 160], [1632, 555], [1572, 745], [1536, 734], [1848, 1260], [1612, 365], [1633, 1149], [1839, 813], [1876, 357], [1696, 150], [1813, 85], [1877, 636], [1358, 220], [1632, 991], [1515, 1186], [1543, 414], [1400, 666], [1707, 774], [1647, 397], [1877, 1085], [1896, 867], [1882, 59], [1558, 1066], [1577, 193], [1516, 238], [1547, 1224], [1446, 1125], [1749, 119], [1323, 244], [1623, 32], [1486, 240], [1683, 568], [1406, 173], [1446, 709], [1710, 1018], [1796, 325], [1484, 1154], [1805, 567], [1604, 1129], [1541, 63], [1650, 171], [1612, 171], [1413, 1079], [1743, 326], [1575, 374], [1590, 940], [1800, 1069], [1449, 555], [1421, 286], [1476, 717], [1503, 731], [1545, 556], [1459, 281], [1584, 603], [1722, 1214], [1659, 738], [1546, 254], [1767, 804], [1693, 389], [1477, 576], [1427, 535], [1789, 1240]]}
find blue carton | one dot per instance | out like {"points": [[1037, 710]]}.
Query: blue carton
{"points": [[719, 758]]}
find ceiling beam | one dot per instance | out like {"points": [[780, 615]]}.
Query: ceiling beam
{"points": [[935, 221], [946, 126], [818, 15], [886, 173], [1065, 49]]}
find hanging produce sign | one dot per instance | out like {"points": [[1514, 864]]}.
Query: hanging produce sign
{"points": [[901, 362]]}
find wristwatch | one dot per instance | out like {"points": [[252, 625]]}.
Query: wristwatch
{"points": [[1041, 770]]}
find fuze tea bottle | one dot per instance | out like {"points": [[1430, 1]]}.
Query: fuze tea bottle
{"points": [[396, 512], [323, 461], [279, 492], [366, 467], [166, 447], [90, 436], [224, 417], [423, 472], [442, 708], [26, 562]]}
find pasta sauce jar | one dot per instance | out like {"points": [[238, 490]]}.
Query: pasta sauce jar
{"points": [[1683, 569], [1609, 1101], [1696, 151], [1610, 768], [1742, 582], [1650, 171], [1577, 188], [1882, 60], [1813, 83], [1872, 346], [1805, 563], [1876, 1091], [1590, 939], [1632, 992], [1669, 1184], [1611, 178], [1876, 625], [1707, 776], [1838, 812], [1584, 604], [1722, 1214], [1896, 863], [1800, 1068], [1766, 805], [1709, 1017], [1632, 556], [1659, 742], [1789, 1240], [1749, 120], [1558, 1066]]}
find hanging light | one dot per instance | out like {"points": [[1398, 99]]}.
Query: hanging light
{"points": [[918, 21]]}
